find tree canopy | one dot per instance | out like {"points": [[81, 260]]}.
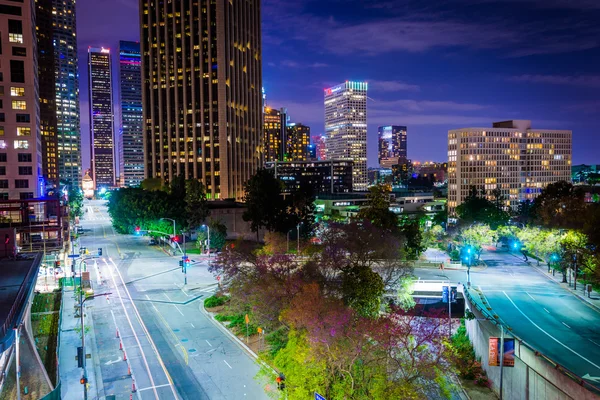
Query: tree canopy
{"points": [[476, 208]]}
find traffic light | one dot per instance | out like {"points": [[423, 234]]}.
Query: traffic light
{"points": [[99, 251], [56, 264], [6, 239], [280, 381], [83, 380], [80, 357], [181, 265], [137, 230]]}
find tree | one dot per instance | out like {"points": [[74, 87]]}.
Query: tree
{"points": [[478, 235], [441, 217], [75, 203], [152, 184], [412, 235], [573, 251], [376, 210], [196, 205], [362, 289], [560, 205], [264, 202], [478, 209], [525, 213], [218, 236]]}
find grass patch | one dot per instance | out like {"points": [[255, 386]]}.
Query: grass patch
{"points": [[215, 301], [45, 302], [45, 329], [277, 340]]}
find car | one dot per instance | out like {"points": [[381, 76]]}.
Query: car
{"points": [[152, 242], [50, 270]]}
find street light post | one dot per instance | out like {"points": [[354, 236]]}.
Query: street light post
{"points": [[83, 341], [208, 230], [174, 230], [298, 237], [18, 361]]}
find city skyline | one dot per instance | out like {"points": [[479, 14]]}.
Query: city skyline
{"points": [[504, 77]]}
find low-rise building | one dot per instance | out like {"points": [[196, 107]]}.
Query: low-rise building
{"points": [[331, 176]]}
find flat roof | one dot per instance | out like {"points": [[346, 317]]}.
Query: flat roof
{"points": [[17, 280]]}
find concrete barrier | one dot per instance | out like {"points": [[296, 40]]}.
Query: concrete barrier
{"points": [[534, 376]]}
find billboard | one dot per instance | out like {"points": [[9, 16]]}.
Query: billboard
{"points": [[494, 352]]}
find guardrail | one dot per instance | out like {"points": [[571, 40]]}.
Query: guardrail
{"points": [[497, 321]]}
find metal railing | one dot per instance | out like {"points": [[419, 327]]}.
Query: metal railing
{"points": [[497, 321]]}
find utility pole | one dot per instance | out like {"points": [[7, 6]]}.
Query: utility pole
{"points": [[18, 361], [298, 237], [501, 358]]}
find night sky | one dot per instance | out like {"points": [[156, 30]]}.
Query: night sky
{"points": [[431, 65]]}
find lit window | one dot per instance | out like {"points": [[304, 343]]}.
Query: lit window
{"points": [[1, 131], [21, 144], [17, 91], [2, 144], [19, 105], [23, 131]]}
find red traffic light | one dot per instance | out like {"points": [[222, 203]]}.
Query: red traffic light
{"points": [[83, 380], [278, 379], [137, 228]]}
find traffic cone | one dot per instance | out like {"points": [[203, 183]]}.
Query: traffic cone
{"points": [[133, 389], [128, 369], [120, 345], [124, 356], [117, 332]]}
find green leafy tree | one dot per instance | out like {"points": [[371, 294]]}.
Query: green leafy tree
{"points": [[477, 236], [573, 252], [196, 205], [264, 201], [362, 289], [412, 234], [377, 209], [75, 203], [561, 205], [218, 236], [478, 209], [152, 184]]}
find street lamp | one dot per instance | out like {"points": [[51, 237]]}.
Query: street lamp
{"points": [[208, 230], [298, 237], [84, 378], [172, 220]]}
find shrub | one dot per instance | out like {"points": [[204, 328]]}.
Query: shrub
{"points": [[277, 340], [215, 301]]}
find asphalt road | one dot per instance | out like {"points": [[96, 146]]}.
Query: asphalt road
{"points": [[175, 350], [554, 321]]}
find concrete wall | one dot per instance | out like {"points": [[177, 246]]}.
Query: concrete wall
{"points": [[532, 378], [237, 228]]}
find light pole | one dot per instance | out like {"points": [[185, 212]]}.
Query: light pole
{"points": [[84, 379], [18, 361], [298, 237], [174, 231], [208, 231]]}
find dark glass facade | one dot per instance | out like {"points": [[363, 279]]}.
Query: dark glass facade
{"points": [[392, 145], [334, 176]]}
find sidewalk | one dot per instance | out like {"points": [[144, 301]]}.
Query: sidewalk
{"points": [[70, 339]]}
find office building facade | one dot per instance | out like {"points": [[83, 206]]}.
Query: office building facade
{"points": [[332, 176], [66, 72], [297, 139], [392, 145], [510, 156], [131, 140], [320, 148], [346, 127], [274, 133], [21, 174], [202, 100], [47, 91], [101, 117]]}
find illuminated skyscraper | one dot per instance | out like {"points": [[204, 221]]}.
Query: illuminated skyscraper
{"points": [[346, 127], [47, 90], [297, 139], [101, 117], [274, 133], [131, 143], [392, 145], [319, 142], [202, 84], [21, 175], [66, 72]]}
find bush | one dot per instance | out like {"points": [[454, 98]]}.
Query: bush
{"points": [[463, 357], [215, 301], [277, 340], [455, 255]]}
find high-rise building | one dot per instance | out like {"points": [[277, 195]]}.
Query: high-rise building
{"points": [[47, 91], [66, 73], [320, 148], [510, 156], [131, 139], [297, 139], [202, 84], [392, 145], [101, 117], [346, 127], [274, 133], [21, 175]]}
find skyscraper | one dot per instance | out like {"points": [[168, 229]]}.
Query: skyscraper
{"points": [[346, 127], [131, 143], [202, 84], [66, 72], [510, 156], [392, 145], [297, 139], [101, 117], [47, 90], [274, 133], [20, 141]]}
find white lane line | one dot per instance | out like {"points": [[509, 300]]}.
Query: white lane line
{"points": [[152, 387], [549, 335], [546, 310], [174, 304], [566, 325], [208, 342], [179, 310], [594, 342], [192, 325], [148, 337], [530, 296], [227, 364]]}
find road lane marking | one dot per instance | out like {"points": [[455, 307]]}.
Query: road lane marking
{"points": [[549, 335], [149, 338], [566, 325], [227, 364], [546, 310], [192, 325], [530, 296], [173, 304], [594, 342], [208, 343], [153, 387]]}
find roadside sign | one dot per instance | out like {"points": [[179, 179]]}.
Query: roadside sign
{"points": [[319, 397], [73, 255], [494, 352], [445, 294]]}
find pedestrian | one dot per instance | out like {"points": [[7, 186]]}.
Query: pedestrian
{"points": [[442, 266]]}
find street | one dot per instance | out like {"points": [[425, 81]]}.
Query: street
{"points": [[173, 348]]}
